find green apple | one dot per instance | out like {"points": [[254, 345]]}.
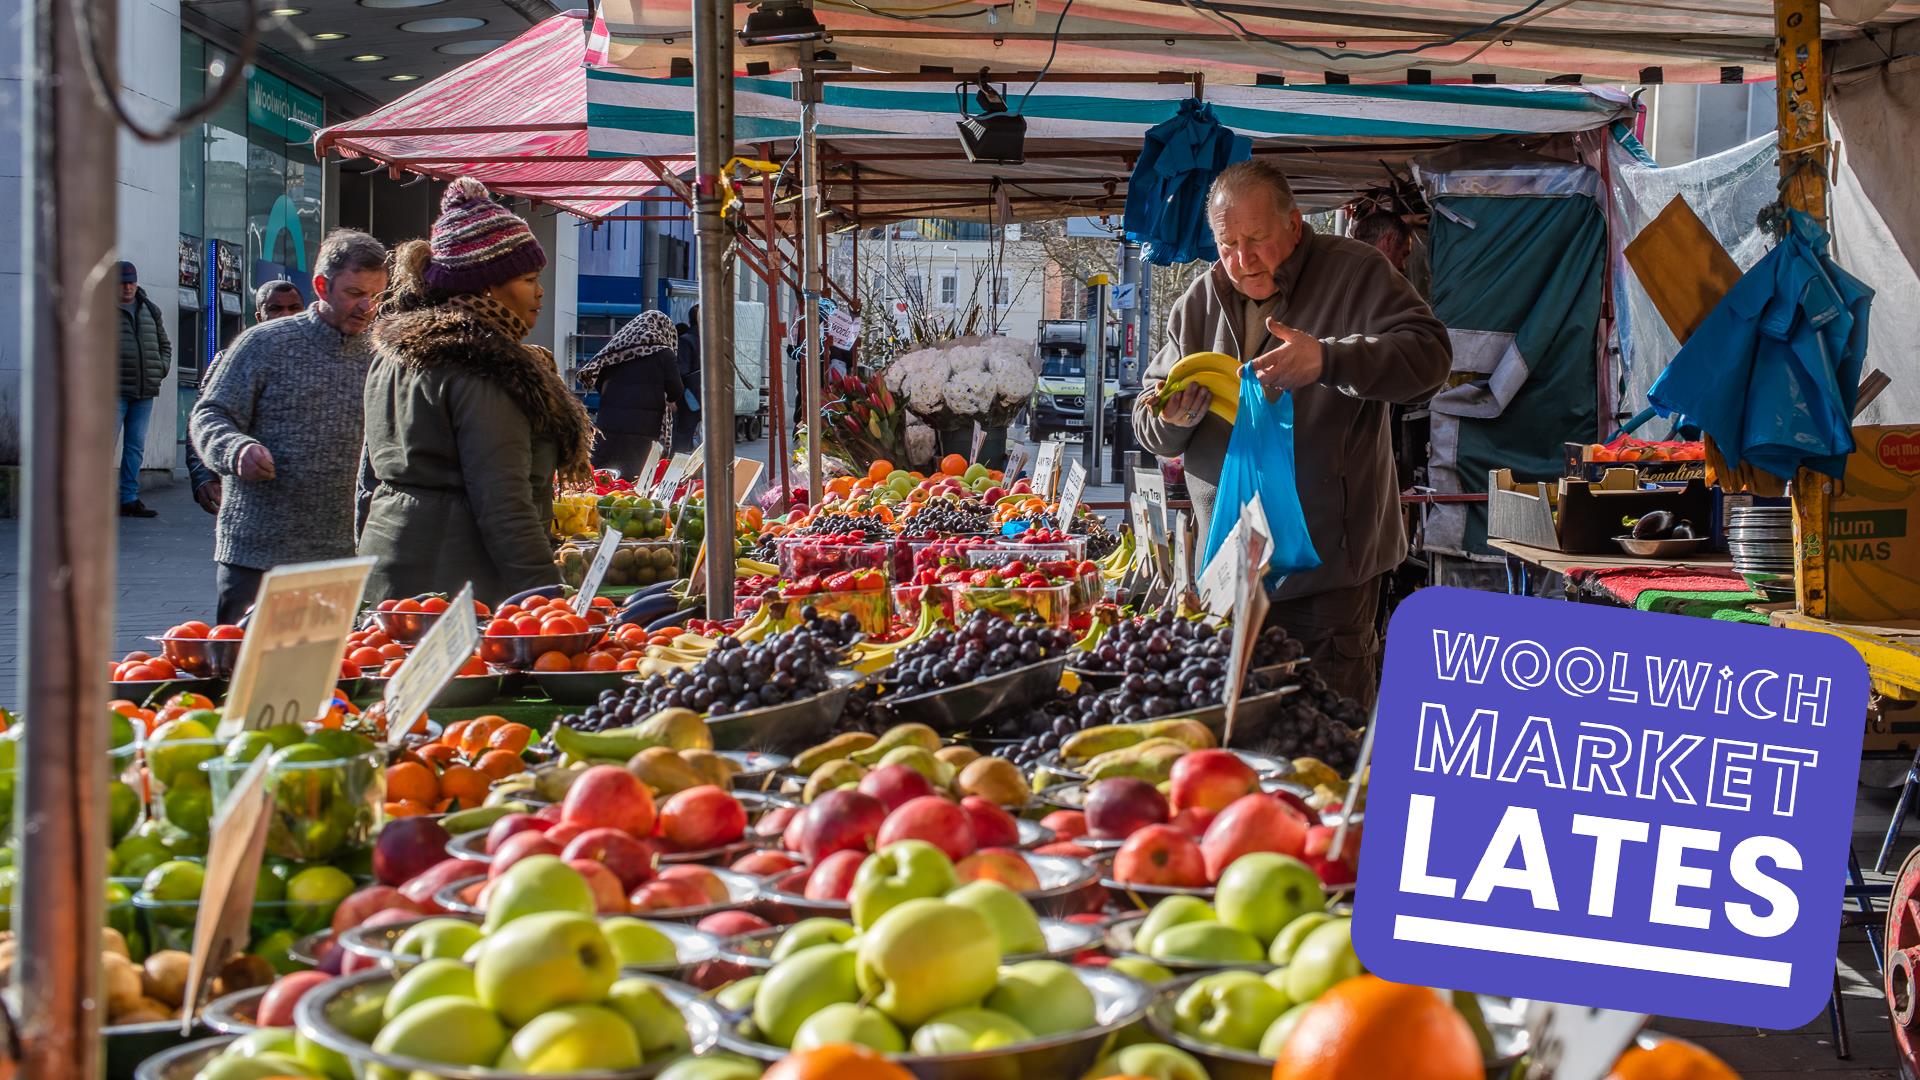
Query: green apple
{"points": [[1207, 943], [801, 985], [1156, 1061], [175, 881], [569, 1039], [1172, 911], [713, 1066], [139, 853], [1261, 892], [429, 979], [1291, 935], [637, 943], [810, 932], [448, 1030], [1012, 918], [537, 883], [538, 962], [1046, 995], [259, 1067], [1228, 1008], [737, 996], [846, 1022], [313, 893], [1141, 968], [656, 1023], [265, 1041], [901, 871], [925, 957], [1326, 957], [1279, 1030], [325, 1062], [438, 938], [968, 1031], [1277, 978], [177, 747]]}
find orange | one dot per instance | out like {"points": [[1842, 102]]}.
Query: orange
{"points": [[953, 464], [553, 661], [468, 786], [366, 657], [836, 1061], [510, 736], [878, 471], [409, 604], [407, 808], [433, 605], [411, 781], [1369, 1027], [1670, 1061], [602, 661], [451, 733], [473, 738], [440, 754], [474, 667], [498, 764]]}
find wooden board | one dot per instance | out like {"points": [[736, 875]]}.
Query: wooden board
{"points": [[1683, 268]]}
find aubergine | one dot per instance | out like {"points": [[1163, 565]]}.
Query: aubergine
{"points": [[1683, 530], [1657, 525]]}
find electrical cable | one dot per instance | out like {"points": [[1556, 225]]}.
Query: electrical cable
{"points": [[102, 76], [1209, 7], [1053, 49], [938, 11]]}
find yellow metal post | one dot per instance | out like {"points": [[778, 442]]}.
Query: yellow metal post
{"points": [[1803, 143]]}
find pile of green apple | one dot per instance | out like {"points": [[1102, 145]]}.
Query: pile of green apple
{"points": [[918, 970], [290, 901]]}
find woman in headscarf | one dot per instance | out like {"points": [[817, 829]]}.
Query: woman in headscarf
{"points": [[466, 426], [638, 376]]}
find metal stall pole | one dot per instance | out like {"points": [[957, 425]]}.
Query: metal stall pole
{"points": [[67, 553], [1131, 339], [1096, 367], [713, 143], [1803, 154], [807, 236], [780, 427]]}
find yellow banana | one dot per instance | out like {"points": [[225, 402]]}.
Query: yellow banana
{"points": [[693, 643], [752, 567], [1193, 363], [1218, 372]]}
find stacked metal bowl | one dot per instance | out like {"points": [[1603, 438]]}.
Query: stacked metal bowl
{"points": [[1760, 538]]}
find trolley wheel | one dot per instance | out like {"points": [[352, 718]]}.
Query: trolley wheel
{"points": [[1902, 968], [755, 429]]}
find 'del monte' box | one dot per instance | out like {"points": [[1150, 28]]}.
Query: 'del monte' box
{"points": [[1582, 518], [1873, 529]]}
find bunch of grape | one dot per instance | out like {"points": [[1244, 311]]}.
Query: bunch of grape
{"points": [[984, 647], [1160, 642], [839, 524], [948, 519]]}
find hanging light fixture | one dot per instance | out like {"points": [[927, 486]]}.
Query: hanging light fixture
{"points": [[993, 135], [781, 22]]}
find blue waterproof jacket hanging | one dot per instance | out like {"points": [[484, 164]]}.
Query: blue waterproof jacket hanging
{"points": [[1167, 194], [1259, 461], [1773, 372]]}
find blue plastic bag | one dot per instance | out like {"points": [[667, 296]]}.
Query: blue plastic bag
{"points": [[1260, 461]]}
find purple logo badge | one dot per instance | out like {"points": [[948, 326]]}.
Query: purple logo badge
{"points": [[1610, 808]]}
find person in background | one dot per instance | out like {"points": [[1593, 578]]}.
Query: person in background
{"points": [[1329, 319], [278, 421], [466, 426], [273, 300], [638, 376], [145, 358], [1387, 233], [686, 406]]}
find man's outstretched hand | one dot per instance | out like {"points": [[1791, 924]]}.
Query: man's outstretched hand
{"points": [[1297, 361]]}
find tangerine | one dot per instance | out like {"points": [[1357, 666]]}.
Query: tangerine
{"points": [[1367, 1026], [602, 661], [953, 465], [836, 1061], [392, 650], [473, 738], [553, 661], [499, 764], [451, 733], [468, 786], [406, 808], [877, 472], [439, 753], [1670, 1060]]}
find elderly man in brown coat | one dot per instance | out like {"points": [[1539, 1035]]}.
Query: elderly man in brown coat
{"points": [[1329, 319]]}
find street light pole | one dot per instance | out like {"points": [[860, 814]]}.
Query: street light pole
{"points": [[1095, 363], [713, 145]]}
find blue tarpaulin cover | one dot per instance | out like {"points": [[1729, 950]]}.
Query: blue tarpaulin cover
{"points": [[1167, 194]]}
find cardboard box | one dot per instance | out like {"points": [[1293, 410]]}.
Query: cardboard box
{"points": [[1582, 517], [1873, 529], [1652, 472]]}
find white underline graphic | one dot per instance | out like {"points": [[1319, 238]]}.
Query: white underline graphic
{"points": [[1586, 950]]}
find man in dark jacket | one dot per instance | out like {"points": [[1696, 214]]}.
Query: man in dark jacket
{"points": [[146, 355], [274, 300]]}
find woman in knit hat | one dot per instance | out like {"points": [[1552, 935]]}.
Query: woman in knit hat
{"points": [[638, 376], [466, 427]]}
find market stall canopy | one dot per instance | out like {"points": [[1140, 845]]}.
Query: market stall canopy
{"points": [[1234, 41]]}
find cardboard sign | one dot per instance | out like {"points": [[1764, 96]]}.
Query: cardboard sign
{"points": [[1182, 553], [438, 657], [697, 577], [979, 440], [596, 570], [1217, 578], [1610, 808], [645, 474], [842, 329], [676, 471], [1249, 605], [289, 662], [221, 926], [1046, 469], [1017, 460], [746, 473], [1070, 495], [1574, 1042]]}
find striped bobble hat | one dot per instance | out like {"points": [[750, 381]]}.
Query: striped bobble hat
{"points": [[478, 243]]}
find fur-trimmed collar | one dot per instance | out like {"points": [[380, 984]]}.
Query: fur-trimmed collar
{"points": [[449, 337]]}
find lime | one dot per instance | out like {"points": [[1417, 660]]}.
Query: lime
{"points": [[314, 893], [206, 718], [169, 762], [246, 746], [123, 808], [137, 854], [189, 806], [275, 949], [174, 881], [268, 889], [320, 838], [338, 744], [182, 844], [117, 893], [284, 735], [119, 731]]}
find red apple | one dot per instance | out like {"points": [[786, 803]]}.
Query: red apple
{"points": [[708, 881], [702, 817], [1003, 865], [774, 822], [359, 905], [519, 846], [351, 962], [1252, 823], [507, 826], [992, 826], [796, 828], [895, 785], [406, 847], [608, 897], [1211, 779], [935, 820], [731, 923], [609, 796], [424, 885], [1066, 824], [549, 813], [1065, 847], [1160, 855], [1333, 873], [276, 1006], [1117, 807], [833, 878], [663, 893], [840, 820], [1193, 821], [567, 832], [764, 863], [630, 858]]}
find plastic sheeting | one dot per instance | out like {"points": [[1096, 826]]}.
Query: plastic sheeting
{"points": [[1875, 223]]}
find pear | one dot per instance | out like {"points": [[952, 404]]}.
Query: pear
{"points": [[834, 774], [996, 780], [897, 736], [681, 729], [663, 770], [917, 758]]}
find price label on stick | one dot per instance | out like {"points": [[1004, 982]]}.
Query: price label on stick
{"points": [[644, 478], [1182, 554], [1575, 1042], [1046, 469], [697, 578], [220, 929], [746, 473], [596, 570], [979, 440], [1070, 495], [1218, 584], [290, 660], [1017, 461], [439, 656], [1249, 609], [676, 470]]}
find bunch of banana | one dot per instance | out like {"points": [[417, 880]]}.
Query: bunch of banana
{"points": [[760, 625], [1102, 621], [754, 568], [1218, 372], [1114, 566], [870, 656], [1107, 738]]}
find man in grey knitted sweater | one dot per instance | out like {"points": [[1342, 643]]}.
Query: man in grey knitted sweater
{"points": [[280, 422]]}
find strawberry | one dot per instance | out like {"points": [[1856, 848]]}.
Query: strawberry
{"points": [[869, 581], [840, 582]]}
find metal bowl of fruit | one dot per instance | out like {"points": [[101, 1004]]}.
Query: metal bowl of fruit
{"points": [[1119, 1002], [202, 657], [953, 708], [790, 726], [461, 897], [406, 627], [1065, 940], [473, 845], [1663, 548], [578, 687], [157, 690], [381, 943], [234, 1014], [1062, 884], [342, 1015], [519, 652], [182, 1062]]}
